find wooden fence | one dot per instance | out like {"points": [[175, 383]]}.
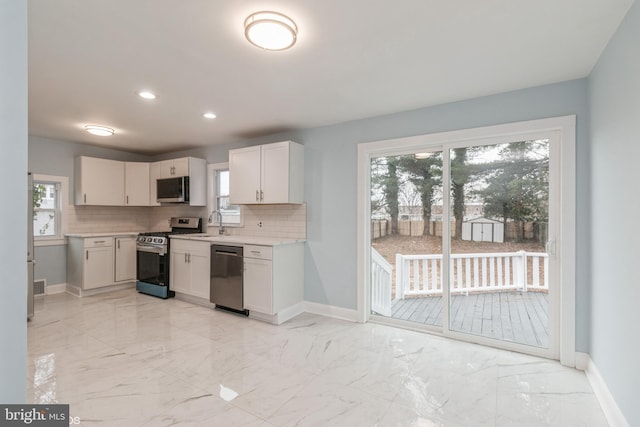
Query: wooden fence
{"points": [[382, 227]]}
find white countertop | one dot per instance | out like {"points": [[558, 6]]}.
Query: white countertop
{"points": [[103, 234], [236, 240]]}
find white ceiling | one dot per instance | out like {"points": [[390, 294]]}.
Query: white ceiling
{"points": [[353, 59]]}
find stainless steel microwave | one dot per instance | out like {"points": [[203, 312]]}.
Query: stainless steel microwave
{"points": [[173, 190]]}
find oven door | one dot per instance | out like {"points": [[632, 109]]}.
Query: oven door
{"points": [[153, 266]]}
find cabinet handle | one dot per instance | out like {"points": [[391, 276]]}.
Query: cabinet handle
{"points": [[185, 257], [189, 258], [127, 199], [99, 241], [87, 255], [118, 244], [261, 195], [257, 196], [85, 197]]}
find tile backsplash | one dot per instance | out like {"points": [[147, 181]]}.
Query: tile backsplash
{"points": [[288, 221]]}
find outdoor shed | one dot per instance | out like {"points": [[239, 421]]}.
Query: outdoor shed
{"points": [[483, 230]]}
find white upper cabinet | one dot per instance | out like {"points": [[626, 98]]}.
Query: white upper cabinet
{"points": [[175, 167], [136, 179], [244, 175], [270, 174], [194, 168], [99, 182], [154, 175], [103, 182]]}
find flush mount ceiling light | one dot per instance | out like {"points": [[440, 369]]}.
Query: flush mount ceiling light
{"points": [[99, 130], [209, 115], [270, 30], [146, 94], [422, 155]]}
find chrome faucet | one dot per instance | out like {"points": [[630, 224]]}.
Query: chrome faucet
{"points": [[221, 229]]}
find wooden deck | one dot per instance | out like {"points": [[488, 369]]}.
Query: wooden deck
{"points": [[511, 316]]}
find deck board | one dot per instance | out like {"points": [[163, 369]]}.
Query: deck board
{"points": [[511, 316]]}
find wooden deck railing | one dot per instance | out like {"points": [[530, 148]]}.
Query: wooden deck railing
{"points": [[381, 274], [421, 274]]}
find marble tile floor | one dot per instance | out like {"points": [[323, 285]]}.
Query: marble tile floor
{"points": [[127, 359]]}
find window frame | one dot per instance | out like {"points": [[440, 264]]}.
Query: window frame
{"points": [[212, 196], [62, 183]]}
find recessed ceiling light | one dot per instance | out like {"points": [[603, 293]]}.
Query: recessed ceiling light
{"points": [[270, 30], [147, 95], [99, 130], [209, 115]]}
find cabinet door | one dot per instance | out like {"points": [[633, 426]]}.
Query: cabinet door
{"points": [[200, 274], [181, 167], [136, 179], [166, 169], [101, 182], [98, 267], [275, 173], [125, 259], [154, 174], [180, 272], [244, 175], [257, 286]]}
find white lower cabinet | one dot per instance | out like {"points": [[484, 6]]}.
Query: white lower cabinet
{"points": [[273, 277], [190, 267], [125, 259], [258, 285], [90, 262]]}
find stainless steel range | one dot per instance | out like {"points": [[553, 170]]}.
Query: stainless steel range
{"points": [[153, 257]]}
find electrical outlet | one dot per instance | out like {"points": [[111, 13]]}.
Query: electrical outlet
{"points": [[260, 224]]}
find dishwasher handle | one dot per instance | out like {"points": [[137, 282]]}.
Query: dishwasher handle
{"points": [[233, 251]]}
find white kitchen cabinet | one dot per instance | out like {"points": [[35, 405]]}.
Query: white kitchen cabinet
{"points": [[175, 167], [125, 259], [90, 262], [273, 277], [269, 174], [154, 174], [136, 184], [190, 267], [99, 182], [258, 285], [194, 168]]}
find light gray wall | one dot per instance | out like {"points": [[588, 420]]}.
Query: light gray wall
{"points": [[615, 206], [51, 264], [13, 215], [330, 179], [55, 157]]}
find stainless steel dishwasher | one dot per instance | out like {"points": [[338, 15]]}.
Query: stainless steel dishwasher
{"points": [[226, 278]]}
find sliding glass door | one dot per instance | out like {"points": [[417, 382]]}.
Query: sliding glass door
{"points": [[498, 264], [459, 238]]}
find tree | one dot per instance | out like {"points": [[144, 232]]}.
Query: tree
{"points": [[385, 187], [518, 185], [425, 174], [460, 175]]}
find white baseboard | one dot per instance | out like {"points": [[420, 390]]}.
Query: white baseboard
{"points": [[582, 360], [331, 311], [58, 288], [290, 312], [74, 290], [615, 417]]}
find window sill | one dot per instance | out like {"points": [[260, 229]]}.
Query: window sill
{"points": [[55, 241]]}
